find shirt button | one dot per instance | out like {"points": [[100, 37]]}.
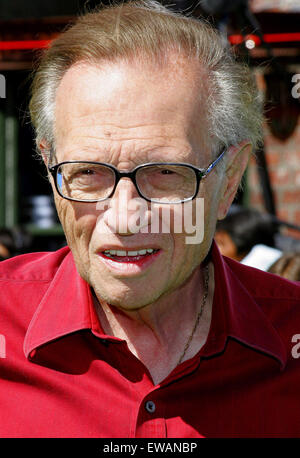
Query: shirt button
{"points": [[150, 406]]}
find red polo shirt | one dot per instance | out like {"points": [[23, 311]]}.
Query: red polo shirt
{"points": [[60, 376]]}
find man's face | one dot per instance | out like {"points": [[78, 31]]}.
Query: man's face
{"points": [[127, 115]]}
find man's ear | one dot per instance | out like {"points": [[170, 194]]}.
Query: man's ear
{"points": [[237, 160], [45, 151]]}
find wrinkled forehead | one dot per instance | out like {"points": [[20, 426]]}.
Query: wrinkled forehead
{"points": [[168, 74], [137, 95]]}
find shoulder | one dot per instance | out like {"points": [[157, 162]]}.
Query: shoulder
{"points": [[32, 266], [24, 280], [263, 285], [276, 297]]}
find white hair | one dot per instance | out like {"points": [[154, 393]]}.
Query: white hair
{"points": [[146, 28]]}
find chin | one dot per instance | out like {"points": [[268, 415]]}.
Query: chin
{"points": [[120, 295], [122, 300]]}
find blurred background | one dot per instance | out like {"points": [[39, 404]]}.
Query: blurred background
{"points": [[264, 33]]}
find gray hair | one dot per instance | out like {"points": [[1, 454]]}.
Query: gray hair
{"points": [[146, 28]]}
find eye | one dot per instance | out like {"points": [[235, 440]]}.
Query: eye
{"points": [[167, 172], [87, 172]]}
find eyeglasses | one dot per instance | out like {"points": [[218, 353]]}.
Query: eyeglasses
{"points": [[161, 182]]}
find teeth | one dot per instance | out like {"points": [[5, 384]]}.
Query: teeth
{"points": [[121, 253], [128, 253]]}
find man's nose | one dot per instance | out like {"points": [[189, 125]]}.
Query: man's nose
{"points": [[125, 190], [128, 212]]}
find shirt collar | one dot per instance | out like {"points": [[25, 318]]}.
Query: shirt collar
{"points": [[236, 314], [67, 307]]}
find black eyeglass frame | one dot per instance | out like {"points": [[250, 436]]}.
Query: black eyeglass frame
{"points": [[199, 172]]}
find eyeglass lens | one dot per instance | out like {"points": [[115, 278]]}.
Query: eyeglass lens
{"points": [[87, 182], [166, 182]]}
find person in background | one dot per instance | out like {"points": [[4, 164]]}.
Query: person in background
{"points": [[7, 244], [287, 266], [248, 236], [14, 241]]}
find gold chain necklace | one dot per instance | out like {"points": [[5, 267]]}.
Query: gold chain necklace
{"points": [[206, 281]]}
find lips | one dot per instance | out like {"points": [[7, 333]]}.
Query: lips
{"points": [[129, 262]]}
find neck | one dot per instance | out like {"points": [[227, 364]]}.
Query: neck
{"points": [[158, 332]]}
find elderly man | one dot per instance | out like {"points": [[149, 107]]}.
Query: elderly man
{"points": [[131, 331]]}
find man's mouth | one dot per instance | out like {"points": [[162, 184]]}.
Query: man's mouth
{"points": [[131, 256]]}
